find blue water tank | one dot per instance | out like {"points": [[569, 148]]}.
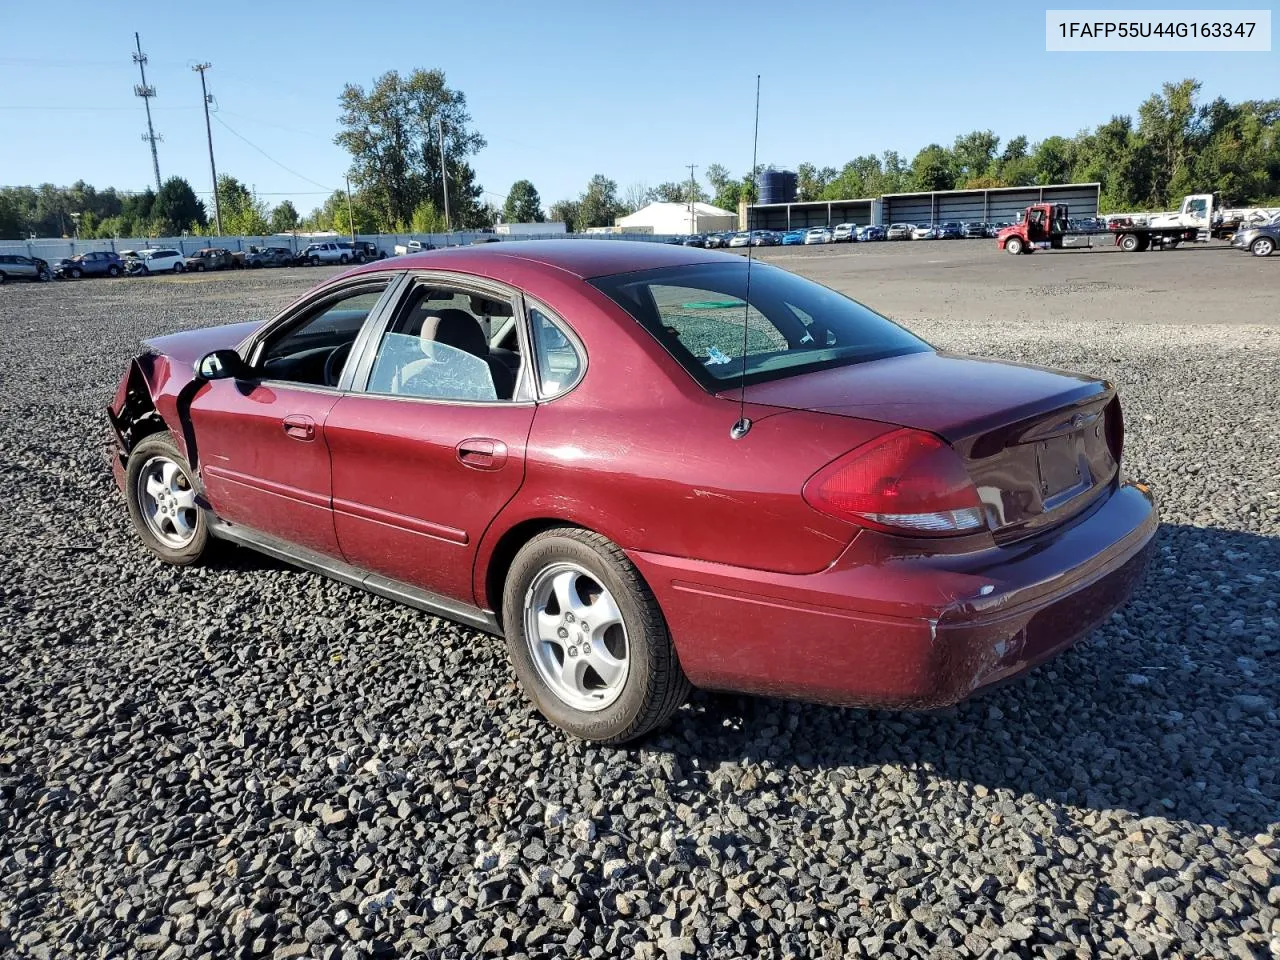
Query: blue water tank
{"points": [[777, 186]]}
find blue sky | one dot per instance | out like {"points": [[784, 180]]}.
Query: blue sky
{"points": [[562, 90]]}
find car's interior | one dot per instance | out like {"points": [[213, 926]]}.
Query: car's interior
{"points": [[443, 343]]}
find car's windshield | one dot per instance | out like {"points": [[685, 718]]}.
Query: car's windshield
{"points": [[793, 324]]}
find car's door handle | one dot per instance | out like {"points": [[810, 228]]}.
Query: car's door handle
{"points": [[300, 427], [481, 453]]}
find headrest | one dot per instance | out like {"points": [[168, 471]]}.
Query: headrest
{"points": [[455, 328], [484, 307]]}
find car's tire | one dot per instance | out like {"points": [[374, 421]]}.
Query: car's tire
{"points": [[1013, 245], [76, 273], [146, 271], [1129, 242], [199, 268], [344, 259], [1262, 247], [178, 268], [640, 683], [2, 278], [113, 271], [162, 501], [314, 261]]}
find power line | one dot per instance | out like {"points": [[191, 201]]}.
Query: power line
{"points": [[300, 176]]}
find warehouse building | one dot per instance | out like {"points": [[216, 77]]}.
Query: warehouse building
{"points": [[678, 218], [938, 206]]}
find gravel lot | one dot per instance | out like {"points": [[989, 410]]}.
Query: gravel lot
{"points": [[246, 760]]}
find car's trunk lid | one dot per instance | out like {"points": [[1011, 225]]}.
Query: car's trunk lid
{"points": [[1039, 444]]}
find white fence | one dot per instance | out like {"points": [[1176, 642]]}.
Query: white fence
{"points": [[52, 250]]}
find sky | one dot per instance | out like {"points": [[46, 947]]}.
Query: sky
{"points": [[562, 90]]}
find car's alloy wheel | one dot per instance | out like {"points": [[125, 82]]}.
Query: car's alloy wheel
{"points": [[177, 268], [113, 271], [1262, 247], [587, 639], [162, 501], [576, 636], [76, 273]]}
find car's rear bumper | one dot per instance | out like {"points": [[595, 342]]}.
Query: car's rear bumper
{"points": [[904, 632]]}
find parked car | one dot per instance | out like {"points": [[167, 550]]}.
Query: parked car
{"points": [[871, 232], [1260, 239], [616, 569], [765, 238], [161, 260], [742, 239], [950, 230], [817, 235], [259, 257], [367, 250], [973, 229], [924, 231], [211, 258], [412, 246], [99, 263], [792, 237], [14, 266], [900, 231], [329, 251], [844, 233], [695, 240]]}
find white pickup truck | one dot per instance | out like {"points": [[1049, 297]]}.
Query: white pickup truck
{"points": [[412, 246]]}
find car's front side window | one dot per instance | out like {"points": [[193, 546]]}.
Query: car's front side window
{"points": [[314, 349]]}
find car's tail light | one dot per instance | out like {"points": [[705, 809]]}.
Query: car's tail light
{"points": [[1115, 428], [905, 481]]}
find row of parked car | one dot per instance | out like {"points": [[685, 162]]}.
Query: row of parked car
{"points": [[105, 263]]}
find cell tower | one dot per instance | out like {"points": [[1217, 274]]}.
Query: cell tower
{"points": [[146, 92]]}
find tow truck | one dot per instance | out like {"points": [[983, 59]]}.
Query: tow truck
{"points": [[1045, 226]]}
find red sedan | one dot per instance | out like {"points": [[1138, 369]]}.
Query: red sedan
{"points": [[599, 450]]}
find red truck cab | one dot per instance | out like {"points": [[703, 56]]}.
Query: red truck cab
{"points": [[1041, 227]]}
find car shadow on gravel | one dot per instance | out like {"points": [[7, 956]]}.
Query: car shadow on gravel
{"points": [[1167, 710]]}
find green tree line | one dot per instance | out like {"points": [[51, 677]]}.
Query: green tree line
{"points": [[411, 140]]}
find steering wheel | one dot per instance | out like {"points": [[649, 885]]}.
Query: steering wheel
{"points": [[333, 365]]}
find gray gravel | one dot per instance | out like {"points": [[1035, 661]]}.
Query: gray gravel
{"points": [[247, 760]]}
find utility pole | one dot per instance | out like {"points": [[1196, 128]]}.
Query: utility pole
{"points": [[200, 68], [146, 92], [351, 221], [444, 174], [693, 196]]}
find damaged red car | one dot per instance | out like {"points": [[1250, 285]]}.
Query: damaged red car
{"points": [[647, 467]]}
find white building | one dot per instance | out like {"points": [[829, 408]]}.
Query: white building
{"points": [[672, 218], [529, 229]]}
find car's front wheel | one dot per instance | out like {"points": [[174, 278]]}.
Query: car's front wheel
{"points": [[1262, 247], [76, 273], [162, 501], [587, 639]]}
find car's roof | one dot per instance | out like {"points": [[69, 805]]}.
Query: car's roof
{"points": [[581, 258]]}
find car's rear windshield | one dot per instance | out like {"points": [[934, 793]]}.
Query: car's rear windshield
{"points": [[793, 325]]}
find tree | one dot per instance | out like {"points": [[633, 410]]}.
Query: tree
{"points": [[675, 191], [567, 212], [523, 204], [176, 209], [975, 154], [1165, 122], [242, 212], [284, 217], [598, 205], [812, 182], [933, 169], [10, 218], [427, 219], [1051, 160], [392, 132]]}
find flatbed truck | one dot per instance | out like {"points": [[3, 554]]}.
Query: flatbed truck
{"points": [[1045, 226]]}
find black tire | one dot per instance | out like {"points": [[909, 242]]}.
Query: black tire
{"points": [[2, 278], [199, 268], [1129, 242], [1262, 247], [655, 686], [1013, 245], [146, 271], [113, 271], [314, 261], [76, 273], [162, 445], [344, 260], [178, 268]]}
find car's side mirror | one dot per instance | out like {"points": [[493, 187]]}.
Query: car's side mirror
{"points": [[222, 365]]}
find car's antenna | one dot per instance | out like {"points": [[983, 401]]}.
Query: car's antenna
{"points": [[739, 429]]}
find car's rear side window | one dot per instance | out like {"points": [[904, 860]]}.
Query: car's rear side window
{"points": [[793, 325]]}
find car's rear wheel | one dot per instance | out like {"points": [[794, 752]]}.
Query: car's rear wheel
{"points": [[113, 271], [162, 501], [1262, 247], [178, 268], [344, 259], [587, 639], [1013, 245]]}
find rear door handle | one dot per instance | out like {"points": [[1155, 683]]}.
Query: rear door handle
{"points": [[482, 453], [300, 427]]}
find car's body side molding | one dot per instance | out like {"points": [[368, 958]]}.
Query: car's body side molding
{"points": [[346, 573]]}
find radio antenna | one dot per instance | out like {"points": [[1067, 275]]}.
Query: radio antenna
{"points": [[739, 429]]}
